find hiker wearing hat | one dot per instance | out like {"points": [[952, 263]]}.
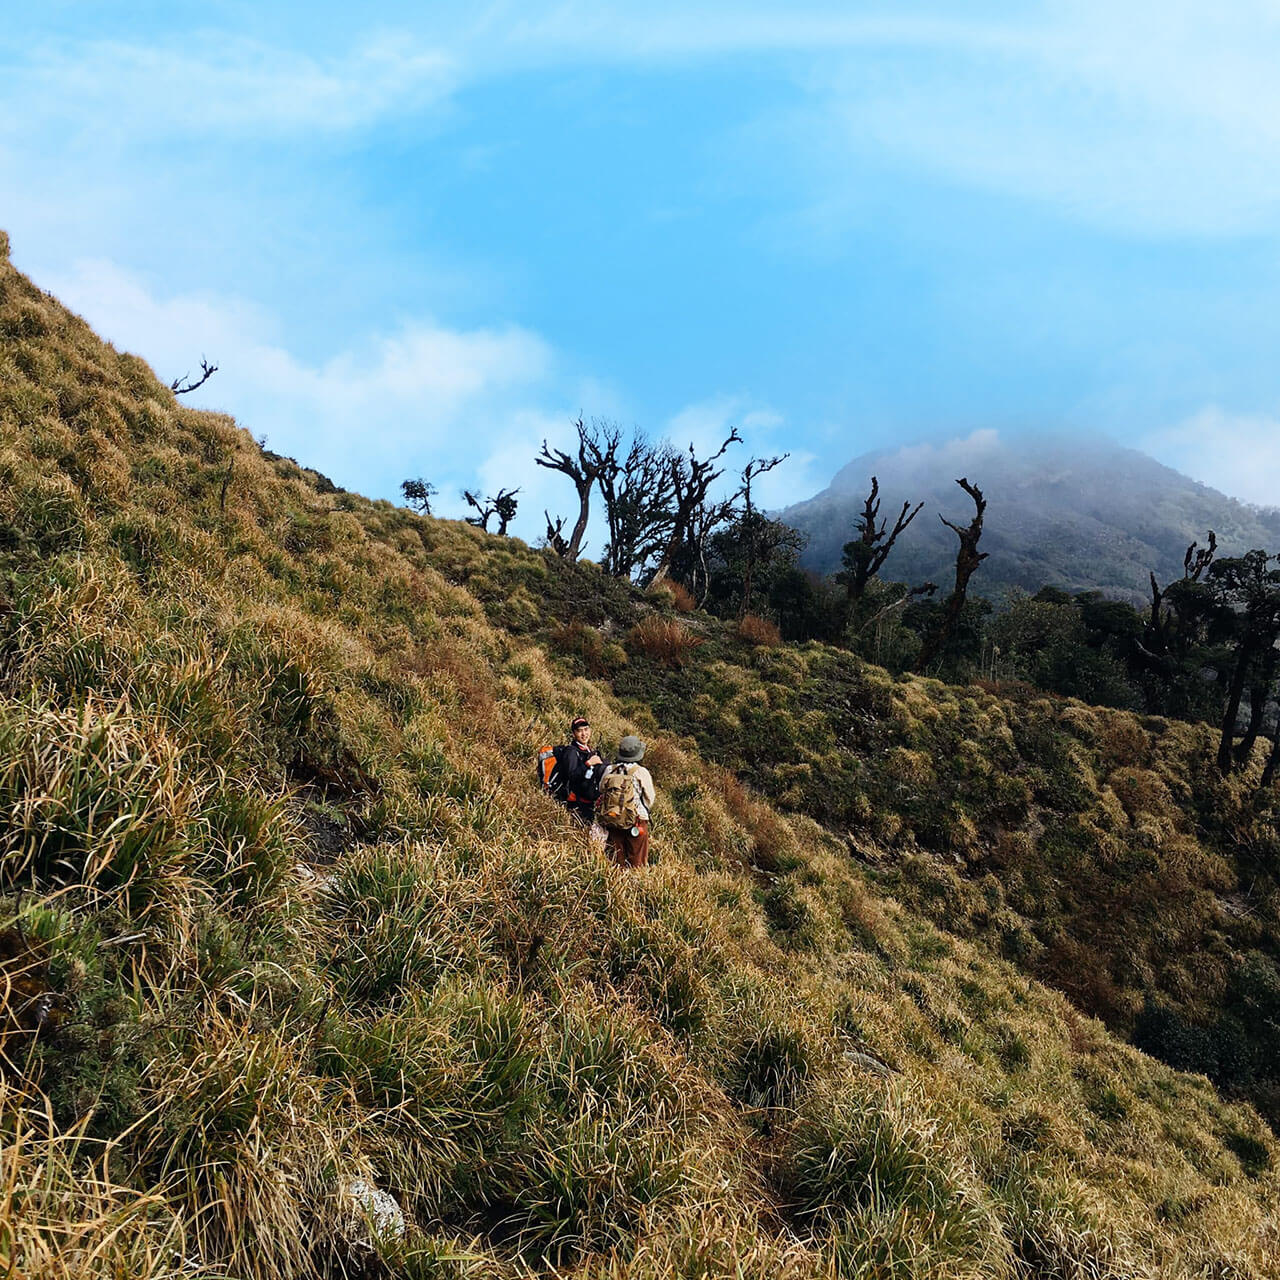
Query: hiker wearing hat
{"points": [[626, 796], [582, 766]]}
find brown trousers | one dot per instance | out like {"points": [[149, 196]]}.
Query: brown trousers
{"points": [[627, 850]]}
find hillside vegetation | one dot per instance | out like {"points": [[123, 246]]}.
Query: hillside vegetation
{"points": [[1099, 850], [282, 911]]}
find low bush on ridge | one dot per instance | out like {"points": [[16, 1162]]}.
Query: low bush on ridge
{"points": [[758, 631], [665, 640]]}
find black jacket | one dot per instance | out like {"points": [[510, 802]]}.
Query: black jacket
{"points": [[581, 779]]}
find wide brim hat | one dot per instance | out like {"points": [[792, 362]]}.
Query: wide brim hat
{"points": [[630, 750]]}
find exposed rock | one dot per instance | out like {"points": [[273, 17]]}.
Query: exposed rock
{"points": [[374, 1215], [865, 1062], [1237, 904], [324, 881]]}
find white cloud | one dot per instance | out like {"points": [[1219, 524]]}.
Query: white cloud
{"points": [[945, 455], [1143, 117], [1186, 58], [424, 400], [1237, 453], [665, 32], [1153, 118], [223, 85]]}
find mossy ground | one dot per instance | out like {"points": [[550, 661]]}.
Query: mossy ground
{"points": [[281, 908]]}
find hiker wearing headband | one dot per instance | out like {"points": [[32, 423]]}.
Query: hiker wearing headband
{"points": [[582, 766]]}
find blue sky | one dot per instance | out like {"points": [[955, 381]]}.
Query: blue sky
{"points": [[418, 239]]}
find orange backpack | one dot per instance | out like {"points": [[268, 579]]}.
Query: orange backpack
{"points": [[549, 776]]}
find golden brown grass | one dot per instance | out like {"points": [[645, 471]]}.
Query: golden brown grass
{"points": [[266, 814], [665, 640], [682, 600], [756, 630], [65, 1217]]}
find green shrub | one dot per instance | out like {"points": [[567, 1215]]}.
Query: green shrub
{"points": [[770, 1068], [395, 925], [787, 913], [99, 798], [44, 517], [886, 1188]]}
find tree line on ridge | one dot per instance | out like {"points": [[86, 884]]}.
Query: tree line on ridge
{"points": [[1204, 648]]}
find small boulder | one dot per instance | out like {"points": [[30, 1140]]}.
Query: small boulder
{"points": [[373, 1216]]}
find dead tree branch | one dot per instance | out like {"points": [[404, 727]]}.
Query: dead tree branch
{"points": [[180, 386], [865, 555], [968, 558], [555, 535], [911, 593], [637, 494], [1198, 558], [691, 481], [1166, 627], [584, 470], [754, 469]]}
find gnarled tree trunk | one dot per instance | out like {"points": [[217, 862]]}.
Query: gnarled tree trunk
{"points": [[968, 558]]}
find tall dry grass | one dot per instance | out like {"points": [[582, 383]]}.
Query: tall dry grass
{"points": [[66, 1217], [666, 640], [269, 844]]}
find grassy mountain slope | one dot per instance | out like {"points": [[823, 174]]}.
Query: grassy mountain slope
{"points": [[281, 909], [1078, 514], [1098, 850]]}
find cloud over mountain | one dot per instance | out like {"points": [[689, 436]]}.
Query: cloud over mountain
{"points": [[1080, 514]]}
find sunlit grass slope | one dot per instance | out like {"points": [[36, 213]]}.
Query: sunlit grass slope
{"points": [[282, 910], [1098, 850]]}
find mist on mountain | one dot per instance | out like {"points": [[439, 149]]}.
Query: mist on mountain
{"points": [[1081, 513]]}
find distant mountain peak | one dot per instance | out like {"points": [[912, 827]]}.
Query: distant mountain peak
{"points": [[1080, 512]]}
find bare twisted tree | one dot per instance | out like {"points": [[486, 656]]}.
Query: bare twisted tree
{"points": [[753, 534], [584, 470], [503, 504], [691, 481], [968, 558], [637, 492], [865, 555]]}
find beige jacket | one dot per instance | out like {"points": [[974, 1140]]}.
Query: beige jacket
{"points": [[645, 794]]}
